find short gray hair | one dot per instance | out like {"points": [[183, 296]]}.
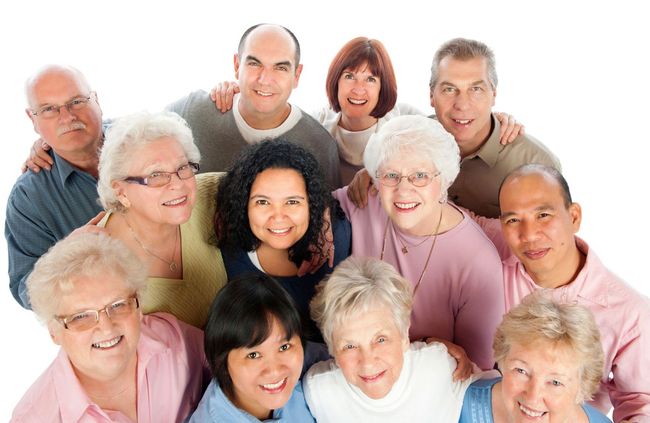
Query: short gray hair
{"points": [[127, 134], [423, 136], [464, 49], [540, 318], [79, 77], [83, 255], [356, 285]]}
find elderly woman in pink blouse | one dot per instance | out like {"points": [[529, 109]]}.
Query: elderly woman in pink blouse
{"points": [[114, 364], [453, 267]]}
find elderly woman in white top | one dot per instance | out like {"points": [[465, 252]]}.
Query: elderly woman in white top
{"points": [[162, 212], [114, 364], [377, 375]]}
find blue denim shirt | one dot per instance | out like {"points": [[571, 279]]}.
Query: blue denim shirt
{"points": [[43, 208]]}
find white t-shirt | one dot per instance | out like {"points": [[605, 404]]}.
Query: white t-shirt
{"points": [[424, 392], [252, 135]]}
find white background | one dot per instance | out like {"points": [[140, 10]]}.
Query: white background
{"points": [[575, 73]]}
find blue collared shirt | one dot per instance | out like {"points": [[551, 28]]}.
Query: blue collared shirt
{"points": [[43, 208]]}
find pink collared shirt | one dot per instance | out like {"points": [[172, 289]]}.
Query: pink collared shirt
{"points": [[623, 317], [171, 374]]}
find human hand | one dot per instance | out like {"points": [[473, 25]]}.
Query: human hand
{"points": [[510, 128], [464, 365], [326, 239], [223, 93], [91, 227], [359, 188], [39, 157]]}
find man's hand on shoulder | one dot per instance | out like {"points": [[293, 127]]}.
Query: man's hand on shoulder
{"points": [[39, 157], [359, 188], [222, 95], [510, 128]]}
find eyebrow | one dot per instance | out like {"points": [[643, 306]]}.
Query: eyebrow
{"points": [[291, 197], [283, 63], [543, 207]]}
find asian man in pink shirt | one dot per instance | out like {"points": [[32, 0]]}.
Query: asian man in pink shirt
{"points": [[539, 222]]}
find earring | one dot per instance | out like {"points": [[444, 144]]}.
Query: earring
{"points": [[125, 202], [443, 198]]}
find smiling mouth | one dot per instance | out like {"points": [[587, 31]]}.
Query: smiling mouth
{"points": [[263, 93], [274, 388], [372, 378], [530, 412], [463, 122], [279, 231], [357, 102], [74, 126], [104, 345], [406, 206], [536, 254], [176, 201]]}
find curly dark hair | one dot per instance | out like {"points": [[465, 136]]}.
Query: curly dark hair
{"points": [[231, 224]]}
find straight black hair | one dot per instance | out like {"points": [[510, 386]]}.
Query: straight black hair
{"points": [[241, 316]]}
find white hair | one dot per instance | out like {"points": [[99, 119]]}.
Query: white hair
{"points": [[84, 255], [129, 133], [420, 137], [356, 285]]}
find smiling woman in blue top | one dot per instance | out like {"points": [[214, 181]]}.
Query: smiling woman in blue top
{"points": [[551, 360], [254, 345]]}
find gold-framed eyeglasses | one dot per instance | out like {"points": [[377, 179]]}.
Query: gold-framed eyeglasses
{"points": [[87, 319], [50, 111], [160, 179], [418, 179]]}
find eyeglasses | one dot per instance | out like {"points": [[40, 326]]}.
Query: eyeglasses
{"points": [[51, 111], [89, 318], [418, 179], [160, 179]]}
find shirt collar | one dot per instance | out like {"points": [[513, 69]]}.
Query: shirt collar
{"points": [[489, 151], [72, 398], [65, 169], [589, 284]]}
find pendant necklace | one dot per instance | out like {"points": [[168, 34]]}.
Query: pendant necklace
{"points": [[171, 263]]}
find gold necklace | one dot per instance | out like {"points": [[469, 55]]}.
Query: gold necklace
{"points": [[405, 250], [433, 244], [171, 263]]}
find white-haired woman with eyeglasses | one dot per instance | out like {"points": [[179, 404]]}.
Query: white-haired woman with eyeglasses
{"points": [[377, 375], [114, 364], [162, 212], [452, 266]]}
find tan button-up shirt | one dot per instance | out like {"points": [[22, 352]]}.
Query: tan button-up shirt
{"points": [[481, 173]]}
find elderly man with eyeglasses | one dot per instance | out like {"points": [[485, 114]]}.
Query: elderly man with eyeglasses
{"points": [[45, 207]]}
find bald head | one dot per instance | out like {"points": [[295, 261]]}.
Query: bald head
{"points": [[54, 70], [540, 170], [264, 29]]}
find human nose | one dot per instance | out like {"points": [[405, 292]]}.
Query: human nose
{"points": [[461, 101], [264, 75], [367, 356], [65, 114], [533, 391], [529, 231]]}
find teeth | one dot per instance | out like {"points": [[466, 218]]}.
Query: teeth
{"points": [[175, 202], [463, 122], [529, 412], [279, 231], [358, 102], [264, 93], [405, 206], [276, 385], [107, 344]]}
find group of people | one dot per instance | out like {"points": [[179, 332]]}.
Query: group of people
{"points": [[235, 259]]}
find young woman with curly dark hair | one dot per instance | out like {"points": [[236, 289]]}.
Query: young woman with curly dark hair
{"points": [[270, 214]]}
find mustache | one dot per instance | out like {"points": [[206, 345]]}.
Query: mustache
{"points": [[72, 127]]}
